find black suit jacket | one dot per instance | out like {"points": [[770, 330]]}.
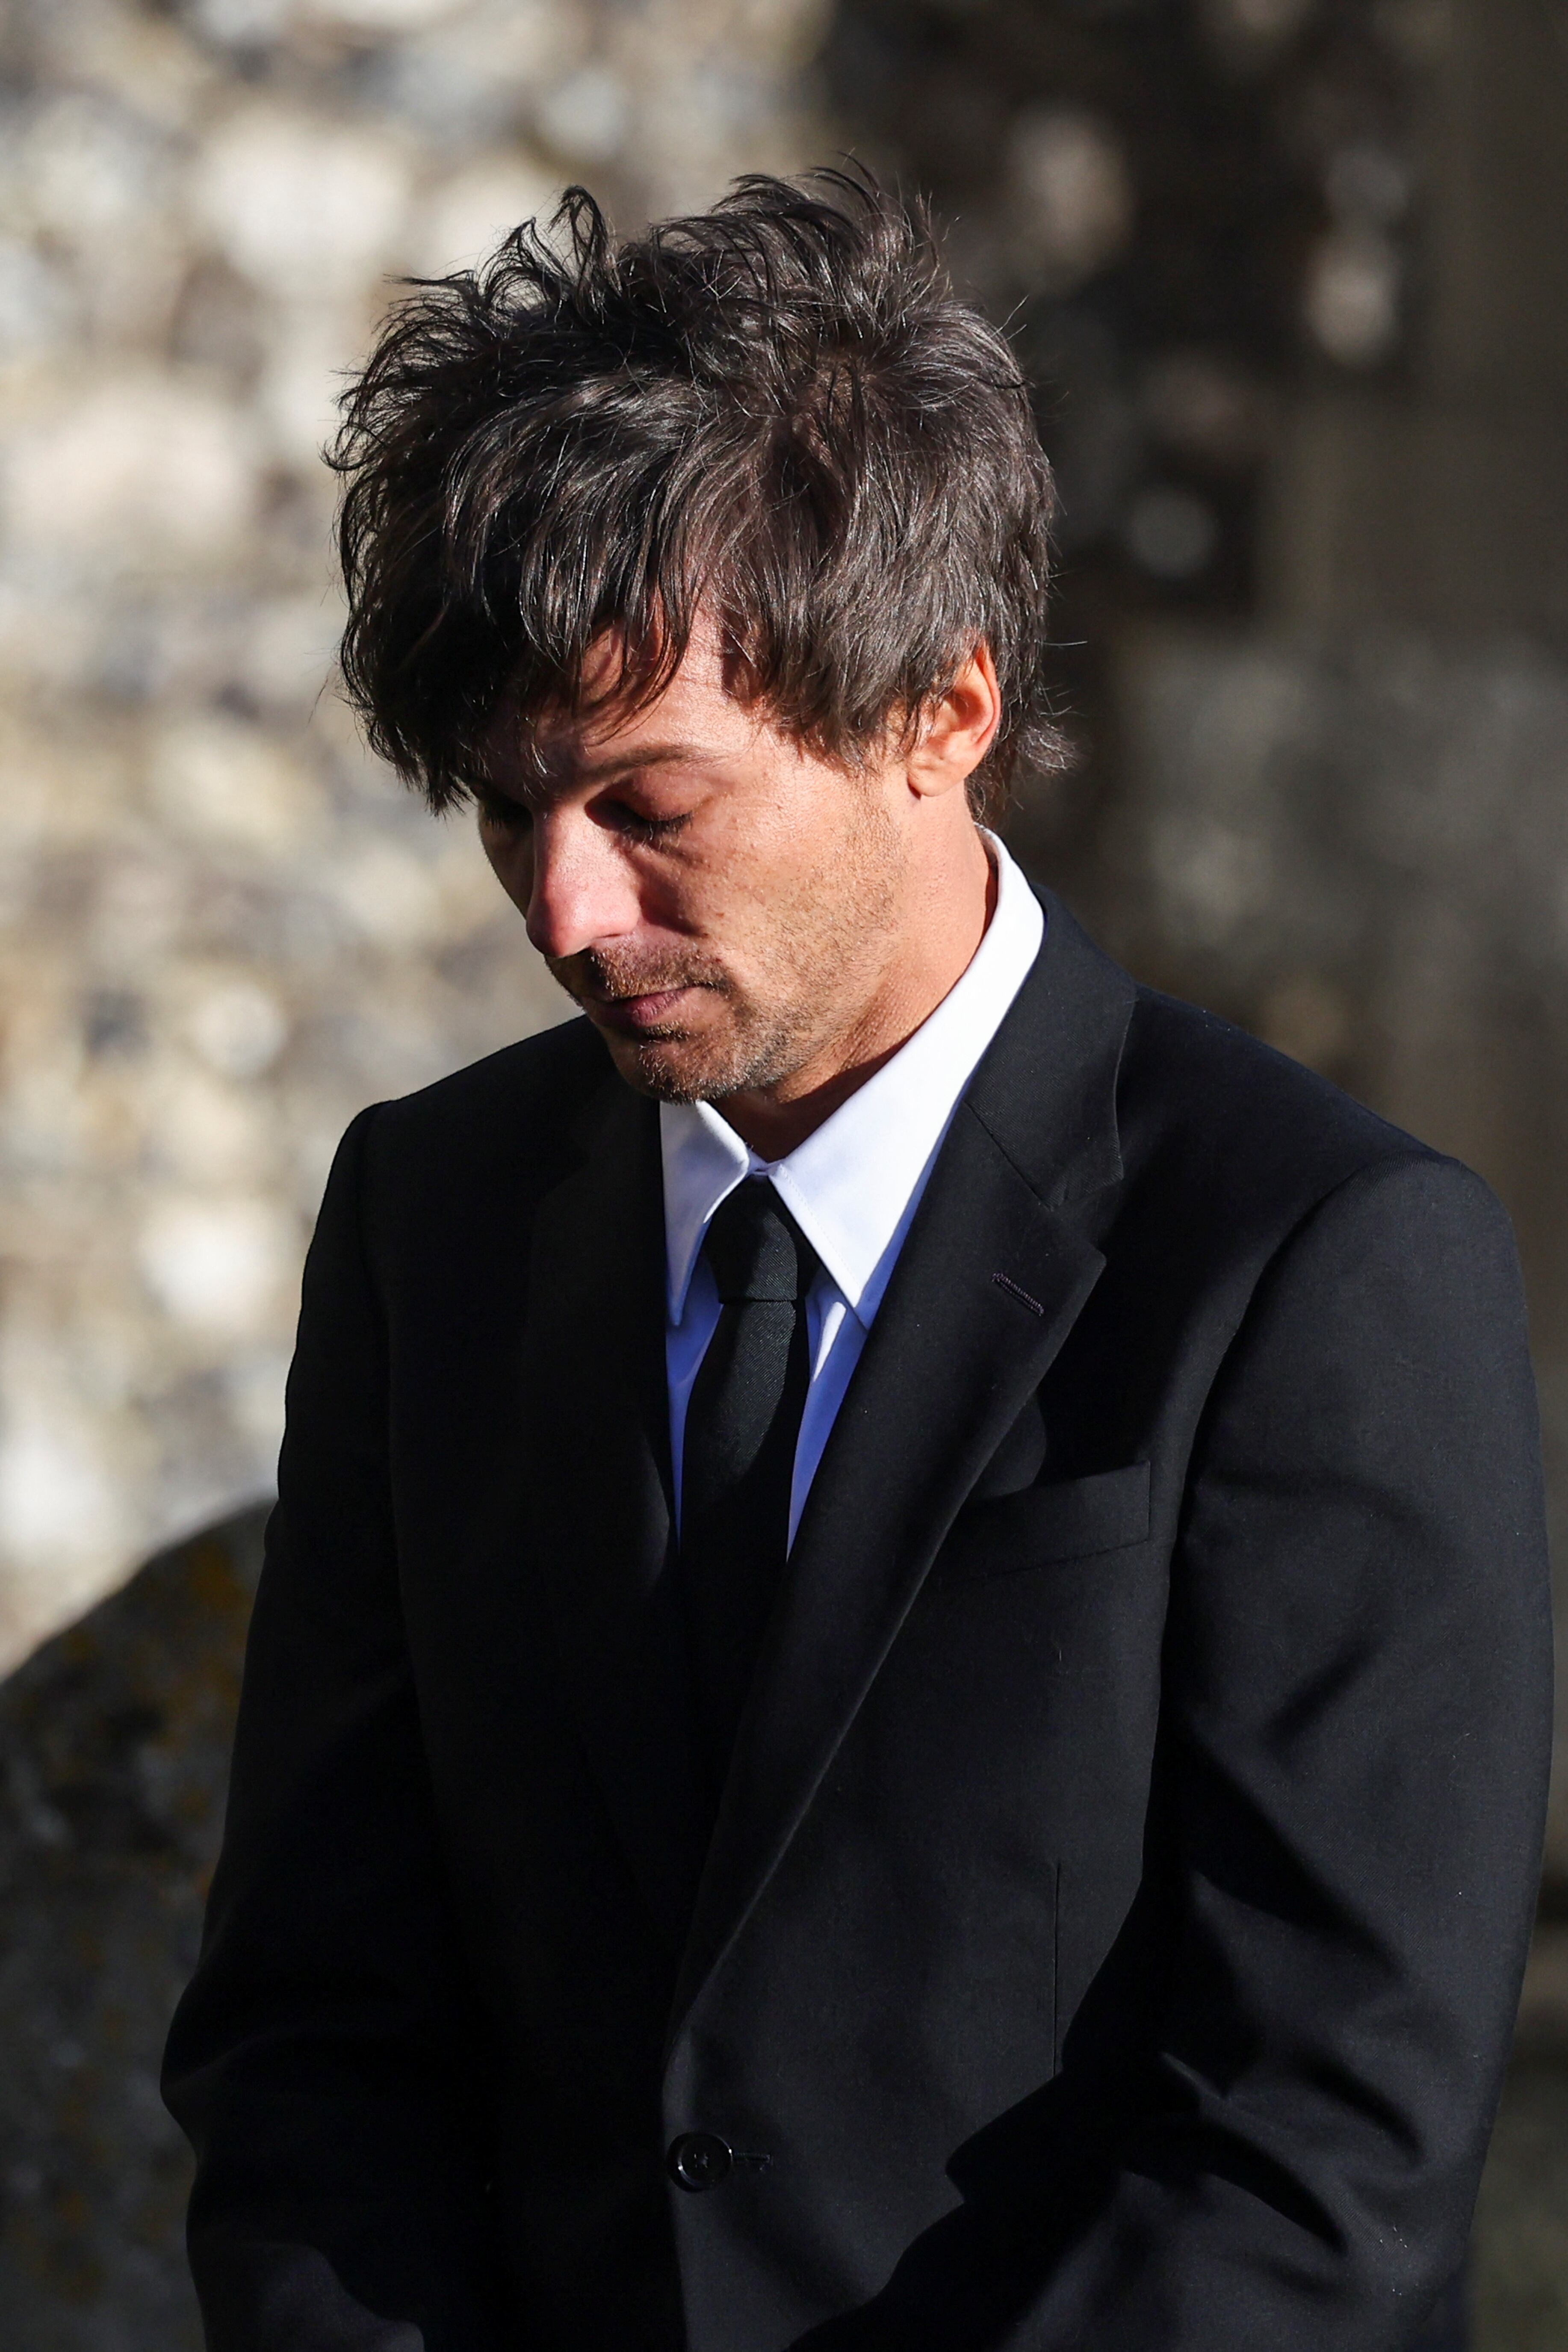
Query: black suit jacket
{"points": [[1113, 1923]]}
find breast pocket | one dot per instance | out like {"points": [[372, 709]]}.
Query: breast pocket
{"points": [[1077, 1519]]}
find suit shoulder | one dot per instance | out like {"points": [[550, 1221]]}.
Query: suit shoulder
{"points": [[518, 1102], [1252, 1130]]}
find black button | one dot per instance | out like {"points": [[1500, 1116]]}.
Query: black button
{"points": [[700, 2161]]}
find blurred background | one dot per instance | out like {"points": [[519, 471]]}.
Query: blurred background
{"points": [[1292, 278]]}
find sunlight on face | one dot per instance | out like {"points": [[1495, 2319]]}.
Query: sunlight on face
{"points": [[716, 899]]}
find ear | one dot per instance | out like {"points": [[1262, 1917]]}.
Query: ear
{"points": [[958, 729]]}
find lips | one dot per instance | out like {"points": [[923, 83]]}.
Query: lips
{"points": [[636, 1014]]}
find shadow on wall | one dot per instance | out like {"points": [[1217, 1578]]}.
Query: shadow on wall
{"points": [[114, 1742]]}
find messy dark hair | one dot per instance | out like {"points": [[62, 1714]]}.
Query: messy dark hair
{"points": [[776, 412]]}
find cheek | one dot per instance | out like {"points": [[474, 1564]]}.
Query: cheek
{"points": [[785, 851], [774, 884], [833, 859]]}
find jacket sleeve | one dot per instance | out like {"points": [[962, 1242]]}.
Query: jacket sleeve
{"points": [[1359, 1710], [322, 2058]]}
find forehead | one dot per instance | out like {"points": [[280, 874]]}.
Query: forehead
{"points": [[693, 720]]}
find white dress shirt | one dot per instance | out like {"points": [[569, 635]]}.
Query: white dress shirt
{"points": [[852, 1187]]}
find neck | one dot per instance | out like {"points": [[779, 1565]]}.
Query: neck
{"points": [[935, 945]]}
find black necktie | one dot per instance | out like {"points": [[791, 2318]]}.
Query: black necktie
{"points": [[738, 1455]]}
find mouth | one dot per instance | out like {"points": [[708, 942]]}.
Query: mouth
{"points": [[637, 1016]]}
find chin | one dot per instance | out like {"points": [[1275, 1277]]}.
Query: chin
{"points": [[673, 1070], [695, 1069]]}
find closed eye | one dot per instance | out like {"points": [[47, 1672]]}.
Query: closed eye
{"points": [[506, 814], [638, 827]]}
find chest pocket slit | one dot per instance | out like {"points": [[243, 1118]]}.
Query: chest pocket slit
{"points": [[1076, 1518]]}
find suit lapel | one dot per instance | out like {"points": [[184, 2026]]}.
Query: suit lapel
{"points": [[598, 1502], [993, 1273]]}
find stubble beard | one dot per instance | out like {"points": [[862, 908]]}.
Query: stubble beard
{"points": [[756, 1047], [825, 933], [750, 1056]]}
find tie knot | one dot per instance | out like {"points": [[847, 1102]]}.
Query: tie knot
{"points": [[756, 1248]]}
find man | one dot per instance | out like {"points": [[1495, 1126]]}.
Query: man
{"points": [[900, 1692]]}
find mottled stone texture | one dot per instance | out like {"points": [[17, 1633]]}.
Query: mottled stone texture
{"points": [[223, 928], [113, 1751]]}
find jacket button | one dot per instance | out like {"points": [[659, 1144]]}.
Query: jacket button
{"points": [[700, 2161]]}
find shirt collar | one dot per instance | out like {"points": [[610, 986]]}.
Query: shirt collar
{"points": [[853, 1184]]}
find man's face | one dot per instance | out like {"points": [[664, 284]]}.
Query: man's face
{"points": [[718, 901]]}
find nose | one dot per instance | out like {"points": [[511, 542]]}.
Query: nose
{"points": [[582, 892]]}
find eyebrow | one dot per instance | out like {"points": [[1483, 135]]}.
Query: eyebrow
{"points": [[593, 771], [651, 755]]}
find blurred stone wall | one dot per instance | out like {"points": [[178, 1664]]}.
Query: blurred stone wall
{"points": [[222, 928]]}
